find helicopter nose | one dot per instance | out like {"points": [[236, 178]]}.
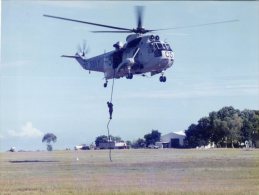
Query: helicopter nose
{"points": [[165, 62], [168, 58]]}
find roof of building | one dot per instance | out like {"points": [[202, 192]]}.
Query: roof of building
{"points": [[175, 134], [172, 135]]}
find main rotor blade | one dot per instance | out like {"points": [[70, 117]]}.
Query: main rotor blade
{"points": [[139, 13], [84, 22], [113, 31], [195, 25]]}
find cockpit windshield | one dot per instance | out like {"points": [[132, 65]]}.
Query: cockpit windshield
{"points": [[168, 47], [160, 46]]}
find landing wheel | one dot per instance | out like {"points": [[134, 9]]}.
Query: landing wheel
{"points": [[129, 76], [105, 85], [162, 79]]}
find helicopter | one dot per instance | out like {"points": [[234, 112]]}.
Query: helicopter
{"points": [[143, 52]]}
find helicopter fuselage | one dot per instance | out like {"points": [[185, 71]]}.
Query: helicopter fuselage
{"points": [[140, 55]]}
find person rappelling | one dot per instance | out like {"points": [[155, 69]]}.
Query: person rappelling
{"points": [[110, 106]]}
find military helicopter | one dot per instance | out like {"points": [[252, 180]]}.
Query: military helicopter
{"points": [[141, 54]]}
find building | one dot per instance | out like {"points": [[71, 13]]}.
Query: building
{"points": [[82, 147], [172, 140], [113, 145]]}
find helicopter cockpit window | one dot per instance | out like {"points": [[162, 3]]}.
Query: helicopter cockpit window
{"points": [[168, 47], [159, 46], [155, 46]]}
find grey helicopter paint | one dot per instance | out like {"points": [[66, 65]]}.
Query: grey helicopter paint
{"points": [[141, 54], [147, 55]]}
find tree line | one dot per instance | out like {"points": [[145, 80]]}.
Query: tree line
{"points": [[149, 139], [228, 127]]}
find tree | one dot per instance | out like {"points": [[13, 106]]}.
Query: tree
{"points": [[153, 137], [218, 134], [200, 134], [101, 139], [139, 143], [222, 127], [231, 124], [48, 138], [104, 139], [256, 124], [247, 129], [204, 128], [129, 144], [234, 124], [116, 138], [228, 126], [250, 126], [191, 138]]}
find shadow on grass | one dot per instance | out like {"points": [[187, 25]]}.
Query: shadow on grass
{"points": [[32, 161]]}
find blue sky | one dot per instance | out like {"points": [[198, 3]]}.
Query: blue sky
{"points": [[40, 92]]}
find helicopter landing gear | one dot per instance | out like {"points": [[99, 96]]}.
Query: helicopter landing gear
{"points": [[105, 84], [162, 79], [129, 76]]}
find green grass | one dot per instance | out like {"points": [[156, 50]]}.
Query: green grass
{"points": [[167, 171]]}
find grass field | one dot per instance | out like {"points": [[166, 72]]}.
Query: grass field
{"points": [[167, 171]]}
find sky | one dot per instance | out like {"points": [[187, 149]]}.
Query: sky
{"points": [[40, 92]]}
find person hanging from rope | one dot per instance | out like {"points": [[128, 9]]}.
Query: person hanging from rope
{"points": [[110, 106]]}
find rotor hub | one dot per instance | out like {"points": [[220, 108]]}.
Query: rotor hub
{"points": [[140, 30]]}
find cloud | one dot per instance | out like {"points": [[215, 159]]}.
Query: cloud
{"points": [[26, 131]]}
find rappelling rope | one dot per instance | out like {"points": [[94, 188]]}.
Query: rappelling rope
{"points": [[112, 84], [108, 130]]}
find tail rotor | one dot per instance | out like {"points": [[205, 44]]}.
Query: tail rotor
{"points": [[83, 49]]}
